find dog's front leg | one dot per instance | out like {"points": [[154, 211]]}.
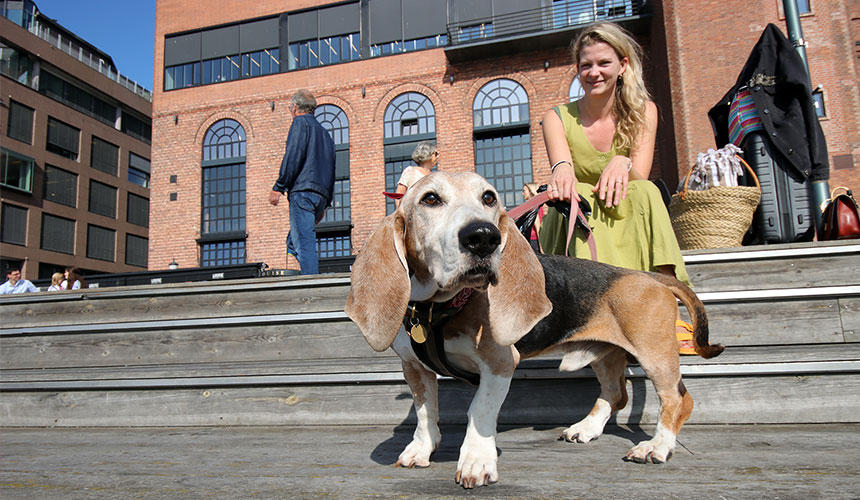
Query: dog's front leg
{"points": [[478, 457], [425, 397]]}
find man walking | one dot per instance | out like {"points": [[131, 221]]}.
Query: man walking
{"points": [[16, 284], [307, 175]]}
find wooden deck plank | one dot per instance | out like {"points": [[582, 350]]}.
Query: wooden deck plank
{"points": [[718, 400], [731, 462]]}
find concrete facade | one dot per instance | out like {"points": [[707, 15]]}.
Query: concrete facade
{"points": [[33, 254]]}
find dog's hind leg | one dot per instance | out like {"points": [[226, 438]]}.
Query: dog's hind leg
{"points": [[676, 405], [425, 397], [613, 397]]}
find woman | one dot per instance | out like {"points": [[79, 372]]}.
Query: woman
{"points": [[74, 280], [56, 282], [425, 156], [601, 148]]}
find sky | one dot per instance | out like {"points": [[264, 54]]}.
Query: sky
{"points": [[123, 29]]}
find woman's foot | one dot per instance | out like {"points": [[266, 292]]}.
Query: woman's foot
{"points": [[684, 332]]}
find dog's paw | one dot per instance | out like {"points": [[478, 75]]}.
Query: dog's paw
{"points": [[477, 464], [582, 432], [416, 454], [652, 451]]}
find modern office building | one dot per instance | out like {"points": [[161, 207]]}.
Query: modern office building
{"points": [[473, 75], [75, 164]]}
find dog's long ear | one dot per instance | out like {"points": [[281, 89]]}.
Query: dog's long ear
{"points": [[518, 301], [380, 284]]}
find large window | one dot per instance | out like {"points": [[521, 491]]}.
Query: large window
{"points": [[77, 98], [20, 126], [14, 225], [137, 210], [502, 142], [333, 231], [16, 64], [63, 139], [139, 128], [223, 195], [409, 119], [138, 170], [136, 250], [102, 199], [105, 156], [101, 243], [61, 186], [16, 170], [58, 234], [330, 50]]}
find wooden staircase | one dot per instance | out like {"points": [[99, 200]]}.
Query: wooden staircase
{"points": [[282, 351]]}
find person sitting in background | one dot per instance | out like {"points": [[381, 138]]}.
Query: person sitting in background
{"points": [[15, 284], [601, 148], [74, 280], [56, 282], [425, 156]]}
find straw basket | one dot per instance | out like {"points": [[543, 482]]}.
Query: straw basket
{"points": [[716, 217]]}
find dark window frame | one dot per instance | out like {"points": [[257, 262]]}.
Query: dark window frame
{"points": [[54, 195], [23, 172], [20, 127]]}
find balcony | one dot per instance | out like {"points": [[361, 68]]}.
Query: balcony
{"points": [[550, 26]]}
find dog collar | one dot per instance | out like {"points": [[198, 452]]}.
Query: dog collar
{"points": [[423, 322]]}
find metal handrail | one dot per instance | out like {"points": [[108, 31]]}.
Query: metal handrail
{"points": [[558, 16]]}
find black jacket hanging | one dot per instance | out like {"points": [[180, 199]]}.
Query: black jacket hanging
{"points": [[776, 78]]}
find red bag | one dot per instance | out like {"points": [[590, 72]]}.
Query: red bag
{"points": [[840, 219]]}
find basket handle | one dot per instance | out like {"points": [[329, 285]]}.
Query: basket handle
{"points": [[685, 190]]}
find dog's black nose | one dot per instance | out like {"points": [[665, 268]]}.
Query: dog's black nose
{"points": [[480, 238]]}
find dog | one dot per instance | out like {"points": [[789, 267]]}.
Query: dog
{"points": [[452, 235]]}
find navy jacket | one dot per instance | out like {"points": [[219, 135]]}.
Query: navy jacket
{"points": [[777, 81], [308, 163]]}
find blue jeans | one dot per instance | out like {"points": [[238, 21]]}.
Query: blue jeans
{"points": [[305, 208]]}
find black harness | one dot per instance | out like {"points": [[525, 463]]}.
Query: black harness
{"points": [[424, 322]]}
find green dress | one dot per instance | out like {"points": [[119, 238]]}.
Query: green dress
{"points": [[637, 234]]}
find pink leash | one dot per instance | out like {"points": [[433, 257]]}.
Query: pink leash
{"points": [[541, 198]]}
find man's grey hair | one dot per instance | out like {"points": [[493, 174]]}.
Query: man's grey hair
{"points": [[423, 152], [305, 101]]}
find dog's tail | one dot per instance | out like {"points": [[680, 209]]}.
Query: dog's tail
{"points": [[697, 314]]}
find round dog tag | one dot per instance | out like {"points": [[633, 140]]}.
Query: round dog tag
{"points": [[418, 334]]}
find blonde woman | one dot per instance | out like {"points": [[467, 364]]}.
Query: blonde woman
{"points": [[601, 148], [56, 282]]}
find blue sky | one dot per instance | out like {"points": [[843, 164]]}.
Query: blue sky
{"points": [[124, 29]]}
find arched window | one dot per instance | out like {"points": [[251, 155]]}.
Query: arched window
{"points": [[409, 119], [502, 143], [334, 244], [575, 91], [222, 218]]}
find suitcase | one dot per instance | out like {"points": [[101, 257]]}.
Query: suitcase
{"points": [[785, 213]]}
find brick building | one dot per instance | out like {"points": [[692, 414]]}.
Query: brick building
{"points": [[475, 76], [74, 168]]}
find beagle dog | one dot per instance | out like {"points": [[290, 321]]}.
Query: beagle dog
{"points": [[451, 234]]}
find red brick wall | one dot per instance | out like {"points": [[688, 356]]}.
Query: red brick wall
{"points": [[709, 42], [699, 64]]}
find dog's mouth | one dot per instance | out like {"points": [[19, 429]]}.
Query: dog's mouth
{"points": [[480, 275]]}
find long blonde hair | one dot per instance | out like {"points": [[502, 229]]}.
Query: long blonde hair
{"points": [[631, 95]]}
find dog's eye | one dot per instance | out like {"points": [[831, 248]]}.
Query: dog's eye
{"points": [[431, 199], [489, 198]]}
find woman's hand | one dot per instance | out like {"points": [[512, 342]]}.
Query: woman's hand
{"points": [[612, 185], [562, 184]]}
